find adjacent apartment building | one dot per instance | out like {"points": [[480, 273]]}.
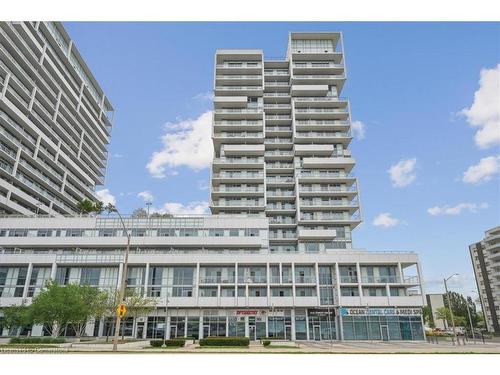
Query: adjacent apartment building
{"points": [[55, 122], [275, 258], [485, 256]]}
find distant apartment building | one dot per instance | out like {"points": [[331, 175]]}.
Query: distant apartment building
{"points": [[55, 122], [436, 301], [485, 256]]}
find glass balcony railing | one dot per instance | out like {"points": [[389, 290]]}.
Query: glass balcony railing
{"points": [[380, 279], [348, 279]]}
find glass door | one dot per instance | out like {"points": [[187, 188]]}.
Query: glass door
{"points": [[252, 332], [385, 333], [206, 330], [173, 332], [316, 333]]}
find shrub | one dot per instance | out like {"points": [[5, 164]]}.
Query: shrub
{"points": [[156, 343], [179, 342], [266, 343], [37, 340], [225, 341]]}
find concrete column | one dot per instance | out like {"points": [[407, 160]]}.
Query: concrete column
{"points": [[146, 280], [28, 278], [53, 271], [280, 273], [360, 289], [341, 327], [293, 283], [337, 285], [200, 328], [400, 273], [167, 328], [5, 85], [247, 330], [422, 292], [268, 277], [197, 281], [120, 273], [307, 325], [316, 270], [37, 147], [292, 316]]}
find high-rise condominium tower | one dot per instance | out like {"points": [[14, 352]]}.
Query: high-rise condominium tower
{"points": [[485, 257], [281, 133], [55, 121]]}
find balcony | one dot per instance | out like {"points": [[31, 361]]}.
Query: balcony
{"points": [[237, 137], [282, 236], [324, 67], [380, 279], [217, 280], [239, 68], [321, 125], [320, 205], [238, 205], [348, 279], [322, 113], [309, 90], [280, 181], [327, 79], [343, 138], [281, 208], [282, 221], [238, 113], [254, 125], [238, 90], [279, 167], [237, 191], [316, 234], [325, 176], [237, 163], [246, 279], [345, 163], [243, 149], [237, 177], [238, 79]]}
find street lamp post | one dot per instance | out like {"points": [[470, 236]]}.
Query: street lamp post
{"points": [[449, 306], [121, 293]]}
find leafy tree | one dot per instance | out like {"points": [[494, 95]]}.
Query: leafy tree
{"points": [[140, 213], [57, 307], [459, 305], [86, 206], [443, 313], [86, 302], [17, 316], [427, 315]]}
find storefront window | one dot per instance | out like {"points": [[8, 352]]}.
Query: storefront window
{"points": [[193, 327], [300, 328], [371, 327]]}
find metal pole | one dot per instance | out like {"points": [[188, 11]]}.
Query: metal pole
{"points": [[470, 322], [451, 311], [121, 295]]}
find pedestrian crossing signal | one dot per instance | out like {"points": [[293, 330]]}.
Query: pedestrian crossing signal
{"points": [[121, 310]]}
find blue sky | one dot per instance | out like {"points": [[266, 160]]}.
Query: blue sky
{"points": [[408, 84]]}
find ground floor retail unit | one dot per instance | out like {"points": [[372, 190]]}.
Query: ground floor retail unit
{"points": [[335, 323]]}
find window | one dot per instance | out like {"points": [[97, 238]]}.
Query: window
{"points": [[216, 232], [44, 233], [74, 232], [234, 232], [312, 247]]}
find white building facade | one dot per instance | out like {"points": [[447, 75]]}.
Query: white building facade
{"points": [[216, 276], [276, 257], [485, 256], [55, 122]]}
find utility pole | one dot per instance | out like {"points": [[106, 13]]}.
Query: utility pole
{"points": [[449, 306], [121, 293], [470, 322]]}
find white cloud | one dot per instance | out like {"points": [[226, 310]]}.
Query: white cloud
{"points": [[385, 220], [106, 197], [483, 171], [203, 185], [146, 195], [484, 112], [358, 130], [209, 95], [457, 209], [185, 143], [117, 156], [191, 208], [403, 173]]}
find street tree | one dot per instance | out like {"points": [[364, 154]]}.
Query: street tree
{"points": [[15, 317]]}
